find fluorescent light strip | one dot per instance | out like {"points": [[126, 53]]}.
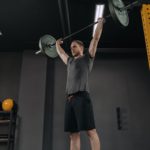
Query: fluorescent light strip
{"points": [[1, 33], [99, 11]]}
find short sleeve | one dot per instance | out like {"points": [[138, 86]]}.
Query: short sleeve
{"points": [[89, 56], [90, 60]]}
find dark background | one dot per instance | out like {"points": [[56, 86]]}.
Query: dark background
{"points": [[23, 22], [120, 76]]}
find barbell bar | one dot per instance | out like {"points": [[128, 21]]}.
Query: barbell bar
{"points": [[66, 37], [118, 11]]}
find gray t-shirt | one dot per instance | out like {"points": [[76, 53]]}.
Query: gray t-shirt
{"points": [[78, 73]]}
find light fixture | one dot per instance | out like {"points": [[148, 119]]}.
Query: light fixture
{"points": [[1, 33], [99, 11]]}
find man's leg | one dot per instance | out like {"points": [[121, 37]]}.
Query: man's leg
{"points": [[94, 139], [75, 141]]}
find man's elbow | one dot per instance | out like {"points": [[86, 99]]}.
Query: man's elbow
{"points": [[92, 53]]}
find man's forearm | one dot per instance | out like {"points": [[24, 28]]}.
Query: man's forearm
{"points": [[96, 37], [59, 49], [98, 30]]}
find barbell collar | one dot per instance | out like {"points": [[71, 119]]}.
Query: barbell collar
{"points": [[38, 52]]}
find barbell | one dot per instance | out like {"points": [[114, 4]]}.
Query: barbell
{"points": [[118, 11]]}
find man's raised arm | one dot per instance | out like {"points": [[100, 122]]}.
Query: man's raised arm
{"points": [[96, 37], [61, 52]]}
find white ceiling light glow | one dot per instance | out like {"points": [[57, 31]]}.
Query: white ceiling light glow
{"points": [[99, 11]]}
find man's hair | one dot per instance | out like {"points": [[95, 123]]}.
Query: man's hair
{"points": [[79, 42]]}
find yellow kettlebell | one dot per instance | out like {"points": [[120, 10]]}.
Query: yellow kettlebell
{"points": [[7, 104]]}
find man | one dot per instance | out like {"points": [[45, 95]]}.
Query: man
{"points": [[79, 111]]}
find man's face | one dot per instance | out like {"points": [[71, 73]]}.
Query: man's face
{"points": [[76, 49]]}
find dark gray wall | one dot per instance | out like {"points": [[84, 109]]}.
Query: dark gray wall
{"points": [[10, 69], [27, 78], [120, 78], [59, 138], [31, 102], [49, 96]]}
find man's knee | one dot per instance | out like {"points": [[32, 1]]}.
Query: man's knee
{"points": [[92, 133], [75, 136]]}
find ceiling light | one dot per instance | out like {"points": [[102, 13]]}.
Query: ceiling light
{"points": [[99, 11]]}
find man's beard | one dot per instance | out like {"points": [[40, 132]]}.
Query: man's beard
{"points": [[76, 54]]}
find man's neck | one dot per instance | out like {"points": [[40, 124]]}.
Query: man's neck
{"points": [[78, 56]]}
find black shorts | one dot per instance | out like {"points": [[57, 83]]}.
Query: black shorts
{"points": [[79, 113]]}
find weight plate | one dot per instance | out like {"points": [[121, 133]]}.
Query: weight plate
{"points": [[120, 16], [45, 45]]}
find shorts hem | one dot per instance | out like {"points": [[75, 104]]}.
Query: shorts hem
{"points": [[72, 131]]}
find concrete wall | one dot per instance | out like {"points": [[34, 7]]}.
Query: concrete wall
{"points": [[119, 79], [31, 102], [10, 70], [23, 78]]}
